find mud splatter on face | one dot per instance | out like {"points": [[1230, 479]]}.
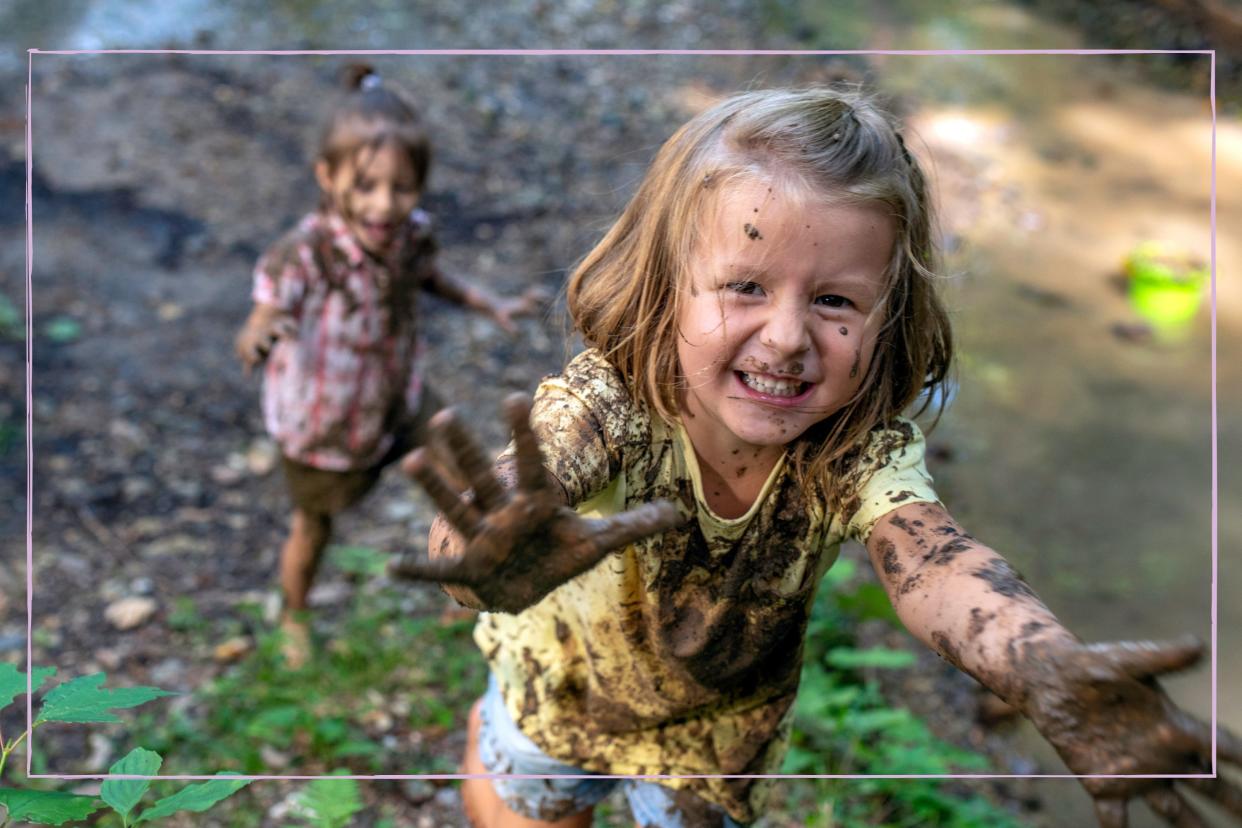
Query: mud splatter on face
{"points": [[844, 331], [857, 363], [796, 369], [752, 232], [741, 470]]}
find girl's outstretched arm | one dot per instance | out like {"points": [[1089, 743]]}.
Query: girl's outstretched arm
{"points": [[1099, 705], [511, 542], [500, 309]]}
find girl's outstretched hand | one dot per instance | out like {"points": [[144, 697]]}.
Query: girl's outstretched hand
{"points": [[529, 303], [518, 544], [1102, 709]]}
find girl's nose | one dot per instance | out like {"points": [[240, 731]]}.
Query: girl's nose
{"points": [[786, 331]]}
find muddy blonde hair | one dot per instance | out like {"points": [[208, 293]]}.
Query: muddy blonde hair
{"points": [[369, 114], [837, 146]]}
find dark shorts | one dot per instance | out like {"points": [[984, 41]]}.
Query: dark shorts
{"points": [[326, 492]]}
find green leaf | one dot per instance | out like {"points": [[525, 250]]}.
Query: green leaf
{"points": [[83, 700], [123, 794], [330, 803], [845, 658], [197, 797], [46, 807], [13, 682], [869, 601]]}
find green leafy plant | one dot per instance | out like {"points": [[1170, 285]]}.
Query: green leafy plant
{"points": [[83, 700], [360, 688]]}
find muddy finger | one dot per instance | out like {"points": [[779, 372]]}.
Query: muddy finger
{"points": [[1220, 790], [1111, 813], [470, 459], [1175, 810], [1146, 659], [460, 513], [1197, 738], [635, 524], [530, 472], [422, 568]]}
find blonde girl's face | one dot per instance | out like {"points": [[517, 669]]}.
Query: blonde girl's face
{"points": [[776, 328], [374, 189]]}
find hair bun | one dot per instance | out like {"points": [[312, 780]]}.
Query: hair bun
{"points": [[355, 73]]}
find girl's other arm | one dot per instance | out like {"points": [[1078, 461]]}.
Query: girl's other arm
{"points": [[1099, 705], [501, 310]]}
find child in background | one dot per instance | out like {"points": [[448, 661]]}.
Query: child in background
{"points": [[336, 304], [648, 548]]}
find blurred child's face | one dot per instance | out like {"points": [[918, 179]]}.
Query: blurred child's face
{"points": [[774, 330], [374, 190]]}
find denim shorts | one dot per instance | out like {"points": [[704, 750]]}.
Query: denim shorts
{"points": [[503, 748]]}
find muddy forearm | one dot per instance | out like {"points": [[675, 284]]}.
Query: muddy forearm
{"points": [[961, 598]]}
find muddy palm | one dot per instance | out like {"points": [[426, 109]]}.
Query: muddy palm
{"points": [[519, 543]]}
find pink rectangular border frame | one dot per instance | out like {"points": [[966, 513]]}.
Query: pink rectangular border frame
{"points": [[511, 52]]}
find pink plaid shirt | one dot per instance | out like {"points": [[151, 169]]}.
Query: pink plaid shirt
{"points": [[333, 395]]}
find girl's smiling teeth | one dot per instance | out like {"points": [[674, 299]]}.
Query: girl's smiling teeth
{"points": [[773, 386]]}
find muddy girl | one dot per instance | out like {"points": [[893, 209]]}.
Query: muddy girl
{"points": [[759, 322], [336, 319]]}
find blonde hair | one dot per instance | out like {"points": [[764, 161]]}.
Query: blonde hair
{"points": [[624, 296]]}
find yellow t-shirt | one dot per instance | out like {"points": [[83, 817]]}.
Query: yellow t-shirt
{"points": [[681, 653]]}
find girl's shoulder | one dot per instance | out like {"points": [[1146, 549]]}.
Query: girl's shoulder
{"points": [[600, 390], [596, 380]]}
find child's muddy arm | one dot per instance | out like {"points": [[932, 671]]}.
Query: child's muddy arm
{"points": [[1099, 704], [958, 596]]}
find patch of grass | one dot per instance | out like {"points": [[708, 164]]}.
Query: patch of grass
{"points": [[375, 697]]}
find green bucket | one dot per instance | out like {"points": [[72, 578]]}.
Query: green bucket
{"points": [[1166, 285]]}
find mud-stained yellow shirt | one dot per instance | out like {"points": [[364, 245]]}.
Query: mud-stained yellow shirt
{"points": [[681, 653]]}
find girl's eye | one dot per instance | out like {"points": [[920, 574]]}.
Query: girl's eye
{"points": [[831, 300], [364, 186], [745, 288]]}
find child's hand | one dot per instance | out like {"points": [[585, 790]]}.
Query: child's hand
{"points": [[256, 338], [529, 303], [519, 544], [1102, 709]]}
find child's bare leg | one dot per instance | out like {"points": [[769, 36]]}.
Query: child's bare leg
{"points": [[299, 559], [484, 808]]}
